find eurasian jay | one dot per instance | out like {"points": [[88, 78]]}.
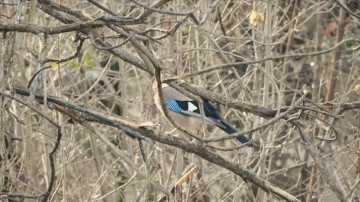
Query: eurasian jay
{"points": [[186, 112]]}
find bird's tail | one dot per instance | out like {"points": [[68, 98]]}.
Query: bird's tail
{"points": [[231, 130]]}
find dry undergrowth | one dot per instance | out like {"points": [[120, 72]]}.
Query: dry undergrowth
{"points": [[185, 38]]}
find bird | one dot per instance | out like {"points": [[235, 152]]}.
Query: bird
{"points": [[186, 111]]}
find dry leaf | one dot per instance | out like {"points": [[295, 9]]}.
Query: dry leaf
{"points": [[329, 28], [255, 17]]}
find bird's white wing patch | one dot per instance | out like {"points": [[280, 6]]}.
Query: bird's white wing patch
{"points": [[192, 107]]}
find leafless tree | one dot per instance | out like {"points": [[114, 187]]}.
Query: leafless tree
{"points": [[78, 120]]}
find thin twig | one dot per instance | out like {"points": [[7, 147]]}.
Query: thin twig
{"points": [[225, 66], [47, 193]]}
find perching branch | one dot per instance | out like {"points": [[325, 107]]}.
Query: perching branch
{"points": [[148, 135]]}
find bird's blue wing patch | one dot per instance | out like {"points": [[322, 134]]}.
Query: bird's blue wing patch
{"points": [[212, 114], [191, 108], [173, 106], [183, 106]]}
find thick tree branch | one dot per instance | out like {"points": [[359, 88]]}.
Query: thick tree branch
{"points": [[146, 134]]}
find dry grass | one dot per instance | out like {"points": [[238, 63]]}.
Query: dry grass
{"points": [[87, 169]]}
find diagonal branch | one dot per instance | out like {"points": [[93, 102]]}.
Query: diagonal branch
{"points": [[146, 134]]}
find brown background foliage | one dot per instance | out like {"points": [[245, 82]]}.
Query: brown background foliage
{"points": [[117, 81]]}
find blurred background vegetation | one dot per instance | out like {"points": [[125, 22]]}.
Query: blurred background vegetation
{"points": [[307, 44]]}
